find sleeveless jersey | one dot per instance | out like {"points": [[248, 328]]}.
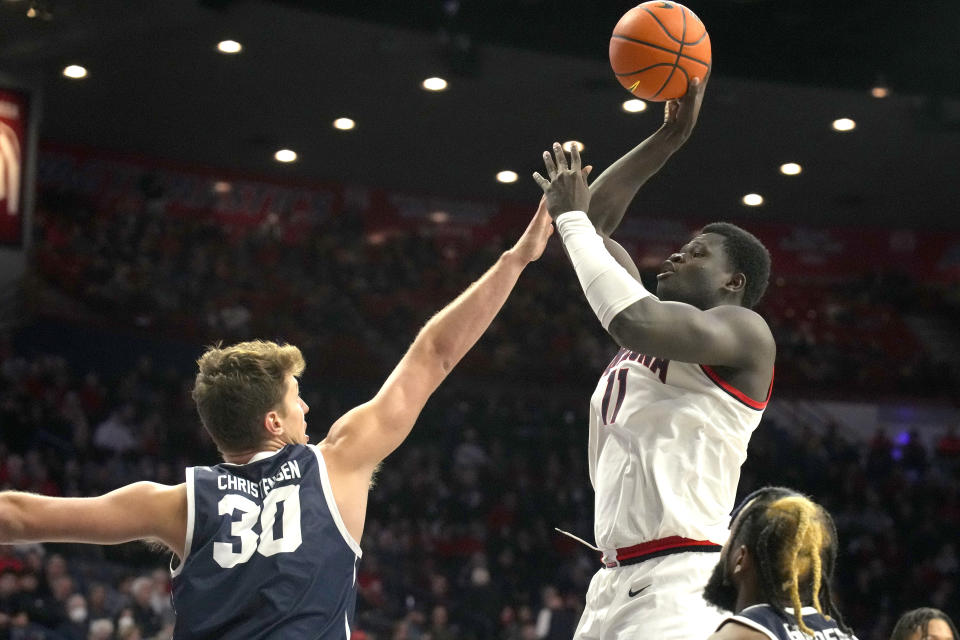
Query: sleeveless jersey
{"points": [[763, 618], [267, 554], [666, 443]]}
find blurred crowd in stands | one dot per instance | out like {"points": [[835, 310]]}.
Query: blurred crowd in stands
{"points": [[460, 540], [306, 281]]}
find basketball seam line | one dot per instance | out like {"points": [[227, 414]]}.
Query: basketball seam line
{"points": [[653, 66], [654, 46], [683, 36], [670, 35]]}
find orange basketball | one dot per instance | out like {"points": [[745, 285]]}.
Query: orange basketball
{"points": [[657, 48]]}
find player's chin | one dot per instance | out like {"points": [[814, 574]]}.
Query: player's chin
{"points": [[664, 290]]}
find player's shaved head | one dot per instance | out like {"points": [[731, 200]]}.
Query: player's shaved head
{"points": [[748, 256]]}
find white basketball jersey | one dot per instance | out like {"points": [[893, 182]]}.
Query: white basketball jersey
{"points": [[667, 440]]}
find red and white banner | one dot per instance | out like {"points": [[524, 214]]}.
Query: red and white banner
{"points": [[14, 122]]}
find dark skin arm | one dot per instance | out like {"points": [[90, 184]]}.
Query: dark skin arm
{"points": [[724, 336], [614, 189]]}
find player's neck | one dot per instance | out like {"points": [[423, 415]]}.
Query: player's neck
{"points": [[243, 457], [747, 596]]}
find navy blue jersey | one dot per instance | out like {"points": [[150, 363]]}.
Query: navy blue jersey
{"points": [[765, 619], [267, 554]]}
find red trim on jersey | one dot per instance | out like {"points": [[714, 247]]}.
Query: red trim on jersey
{"points": [[638, 552], [736, 393]]}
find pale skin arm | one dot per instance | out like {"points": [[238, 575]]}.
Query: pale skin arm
{"points": [[367, 434], [735, 631], [138, 511]]}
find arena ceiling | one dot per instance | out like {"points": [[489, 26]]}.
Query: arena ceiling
{"points": [[522, 74]]}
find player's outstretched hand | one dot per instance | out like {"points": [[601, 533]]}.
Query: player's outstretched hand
{"points": [[566, 189], [531, 244], [680, 116]]}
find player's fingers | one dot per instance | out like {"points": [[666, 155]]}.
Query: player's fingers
{"points": [[670, 111], [551, 167], [574, 158], [695, 90], [560, 156], [540, 180]]}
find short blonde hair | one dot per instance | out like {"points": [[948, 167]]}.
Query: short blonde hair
{"points": [[237, 385]]}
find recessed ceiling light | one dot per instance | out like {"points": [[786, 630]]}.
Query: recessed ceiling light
{"points": [[434, 84], [844, 124], [344, 124], [222, 186], [568, 145], [229, 46], [507, 176], [75, 71], [790, 169], [880, 91], [753, 199], [285, 155], [634, 106]]}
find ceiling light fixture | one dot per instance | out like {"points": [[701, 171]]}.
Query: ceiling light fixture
{"points": [[285, 155], [434, 84], [229, 46], [790, 169], [75, 71], [844, 124]]}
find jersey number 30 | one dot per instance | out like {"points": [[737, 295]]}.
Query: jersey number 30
{"points": [[279, 525]]}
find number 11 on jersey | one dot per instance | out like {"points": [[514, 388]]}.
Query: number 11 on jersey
{"points": [[616, 378]]}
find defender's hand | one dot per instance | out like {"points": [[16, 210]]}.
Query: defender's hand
{"points": [[566, 189], [531, 244]]}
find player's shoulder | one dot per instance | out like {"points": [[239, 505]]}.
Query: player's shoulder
{"points": [[756, 622], [733, 629], [738, 314], [748, 324]]}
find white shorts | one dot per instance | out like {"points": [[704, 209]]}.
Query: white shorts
{"points": [[666, 602]]}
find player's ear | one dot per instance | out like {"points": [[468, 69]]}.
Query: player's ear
{"points": [[737, 282], [741, 560], [272, 423]]}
